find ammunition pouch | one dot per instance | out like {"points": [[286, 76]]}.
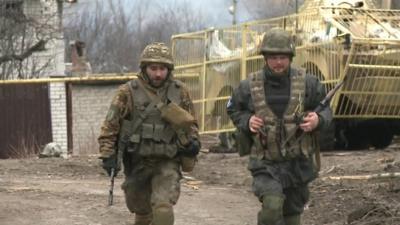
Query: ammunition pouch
{"points": [[179, 119], [304, 144], [145, 147], [128, 147], [176, 115], [155, 140], [149, 148], [276, 147], [152, 140], [244, 142]]}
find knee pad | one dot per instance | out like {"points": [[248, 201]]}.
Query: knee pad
{"points": [[292, 219], [271, 212], [144, 219], [163, 214]]}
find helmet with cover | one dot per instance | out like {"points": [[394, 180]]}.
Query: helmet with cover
{"points": [[277, 41], [157, 53]]}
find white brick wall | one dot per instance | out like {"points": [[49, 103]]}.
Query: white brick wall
{"points": [[58, 105], [90, 104]]}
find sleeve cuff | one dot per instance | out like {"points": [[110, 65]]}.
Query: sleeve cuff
{"points": [[245, 128], [321, 122]]}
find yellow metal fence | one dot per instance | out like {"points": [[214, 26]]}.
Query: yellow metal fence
{"points": [[212, 62]]}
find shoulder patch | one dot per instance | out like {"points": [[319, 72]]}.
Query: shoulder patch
{"points": [[230, 103], [112, 112]]}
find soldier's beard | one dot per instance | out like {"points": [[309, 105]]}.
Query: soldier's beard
{"points": [[157, 83]]}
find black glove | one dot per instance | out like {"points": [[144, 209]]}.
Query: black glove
{"points": [[192, 149], [111, 162]]}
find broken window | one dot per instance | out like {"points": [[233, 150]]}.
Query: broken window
{"points": [[12, 9]]}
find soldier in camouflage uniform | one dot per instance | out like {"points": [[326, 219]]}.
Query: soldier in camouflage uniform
{"points": [[153, 151], [276, 126]]}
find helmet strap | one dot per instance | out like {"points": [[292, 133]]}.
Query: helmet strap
{"points": [[144, 74]]}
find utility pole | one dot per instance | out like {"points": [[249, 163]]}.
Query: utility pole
{"points": [[232, 11]]}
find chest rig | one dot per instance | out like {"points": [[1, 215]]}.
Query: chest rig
{"points": [[273, 143], [148, 134]]}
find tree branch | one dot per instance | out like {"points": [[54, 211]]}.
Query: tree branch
{"points": [[378, 176], [21, 57]]}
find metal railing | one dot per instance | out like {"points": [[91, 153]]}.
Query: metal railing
{"points": [[85, 79]]}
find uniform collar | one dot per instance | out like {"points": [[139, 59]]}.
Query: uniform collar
{"points": [[274, 79]]}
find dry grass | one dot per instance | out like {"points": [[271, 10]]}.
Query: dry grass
{"points": [[26, 148]]}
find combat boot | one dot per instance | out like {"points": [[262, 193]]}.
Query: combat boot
{"points": [[292, 220], [163, 214], [143, 219]]}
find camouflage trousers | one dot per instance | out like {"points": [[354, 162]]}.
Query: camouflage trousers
{"points": [[150, 183], [281, 187]]}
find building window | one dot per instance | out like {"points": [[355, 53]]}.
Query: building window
{"points": [[12, 10]]}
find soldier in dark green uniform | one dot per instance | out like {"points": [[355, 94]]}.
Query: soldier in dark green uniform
{"points": [[151, 124], [272, 111]]}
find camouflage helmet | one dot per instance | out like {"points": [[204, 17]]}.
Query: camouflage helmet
{"points": [[277, 41], [157, 53]]}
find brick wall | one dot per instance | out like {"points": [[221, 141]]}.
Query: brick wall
{"points": [[90, 104], [58, 105]]}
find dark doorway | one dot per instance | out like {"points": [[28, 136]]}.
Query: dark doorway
{"points": [[25, 119]]}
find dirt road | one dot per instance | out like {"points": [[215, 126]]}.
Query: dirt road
{"points": [[53, 191], [75, 191]]}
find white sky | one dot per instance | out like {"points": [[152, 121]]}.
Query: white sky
{"points": [[216, 11]]}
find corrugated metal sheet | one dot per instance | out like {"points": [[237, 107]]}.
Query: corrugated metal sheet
{"points": [[25, 121]]}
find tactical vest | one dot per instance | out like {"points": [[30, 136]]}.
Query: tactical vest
{"points": [[152, 136], [274, 144]]}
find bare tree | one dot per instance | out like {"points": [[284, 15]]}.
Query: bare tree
{"points": [[262, 9], [110, 33], [116, 32], [25, 33]]}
